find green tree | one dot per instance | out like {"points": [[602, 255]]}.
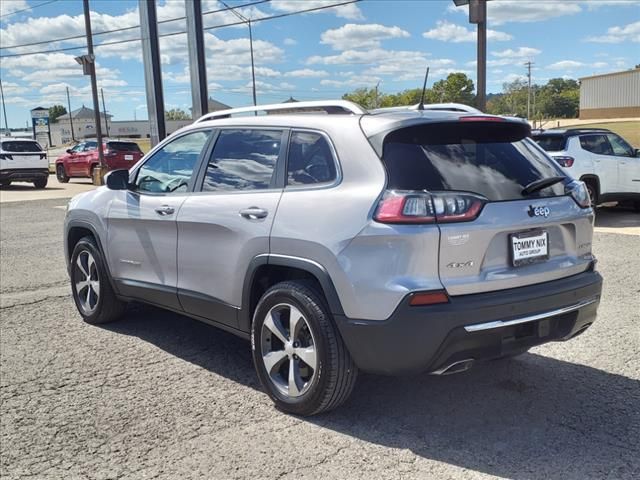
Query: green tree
{"points": [[365, 97], [176, 114], [457, 87], [559, 98], [56, 111]]}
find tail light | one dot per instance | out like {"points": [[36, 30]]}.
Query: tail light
{"points": [[579, 193], [564, 161], [409, 207], [109, 153], [481, 118]]}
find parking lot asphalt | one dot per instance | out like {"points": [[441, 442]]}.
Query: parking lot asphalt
{"points": [[22, 191], [158, 395]]}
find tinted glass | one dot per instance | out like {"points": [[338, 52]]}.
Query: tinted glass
{"points": [[243, 160], [171, 167], [551, 143], [88, 146], [619, 146], [21, 146], [310, 160], [597, 144], [493, 160], [78, 148], [123, 146]]}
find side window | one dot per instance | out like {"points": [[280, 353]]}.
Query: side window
{"points": [[597, 144], [170, 168], [89, 146], [310, 160], [619, 146], [78, 148], [243, 160]]}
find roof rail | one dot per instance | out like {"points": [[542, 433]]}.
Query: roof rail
{"points": [[445, 107], [329, 106]]}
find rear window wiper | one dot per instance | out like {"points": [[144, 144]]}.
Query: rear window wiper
{"points": [[540, 184]]}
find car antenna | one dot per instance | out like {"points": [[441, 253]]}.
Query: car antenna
{"points": [[424, 89]]}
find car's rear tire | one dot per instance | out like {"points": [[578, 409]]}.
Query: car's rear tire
{"points": [[61, 175], [40, 183], [92, 292], [592, 188], [306, 369]]}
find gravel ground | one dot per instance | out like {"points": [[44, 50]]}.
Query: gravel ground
{"points": [[158, 395]]}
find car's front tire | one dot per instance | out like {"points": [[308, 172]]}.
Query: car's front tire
{"points": [[61, 175], [92, 292], [298, 353], [40, 183]]}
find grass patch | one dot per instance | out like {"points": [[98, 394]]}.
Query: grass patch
{"points": [[630, 131]]}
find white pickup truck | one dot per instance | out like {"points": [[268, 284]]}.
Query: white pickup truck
{"points": [[23, 160], [608, 165]]}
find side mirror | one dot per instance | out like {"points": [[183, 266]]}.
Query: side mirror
{"points": [[117, 179], [69, 150]]}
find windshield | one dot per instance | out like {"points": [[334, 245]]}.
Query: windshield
{"points": [[21, 147], [551, 143], [495, 160]]}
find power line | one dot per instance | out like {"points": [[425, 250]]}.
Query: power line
{"points": [[123, 29], [27, 9]]}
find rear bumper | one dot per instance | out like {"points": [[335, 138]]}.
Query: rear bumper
{"points": [[24, 174], [479, 327]]}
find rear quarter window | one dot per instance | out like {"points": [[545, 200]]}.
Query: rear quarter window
{"points": [[124, 146], [21, 147], [494, 160], [551, 143]]}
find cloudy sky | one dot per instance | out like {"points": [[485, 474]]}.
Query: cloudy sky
{"points": [[313, 55]]}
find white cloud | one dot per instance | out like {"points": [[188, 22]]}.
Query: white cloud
{"points": [[12, 6], [504, 11], [307, 73], [350, 11], [450, 32], [521, 52], [630, 32], [595, 5], [353, 35], [573, 64], [290, 42]]}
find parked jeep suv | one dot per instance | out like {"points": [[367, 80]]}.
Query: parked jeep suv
{"points": [[23, 160], [80, 160], [607, 164], [390, 242]]}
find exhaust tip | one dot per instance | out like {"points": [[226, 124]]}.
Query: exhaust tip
{"points": [[455, 367]]}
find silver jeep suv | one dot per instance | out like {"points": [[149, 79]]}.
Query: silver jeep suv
{"points": [[338, 240]]}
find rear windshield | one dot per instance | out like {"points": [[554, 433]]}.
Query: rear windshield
{"points": [[123, 146], [551, 143], [21, 146], [491, 159]]}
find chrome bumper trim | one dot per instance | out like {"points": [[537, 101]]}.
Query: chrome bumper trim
{"points": [[531, 318]]}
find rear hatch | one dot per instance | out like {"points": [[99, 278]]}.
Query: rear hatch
{"points": [[21, 154], [555, 144], [482, 181], [120, 154]]}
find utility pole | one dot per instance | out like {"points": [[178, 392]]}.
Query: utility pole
{"points": [[377, 85], [101, 170], [104, 110], [4, 109], [528, 65], [73, 136], [253, 70]]}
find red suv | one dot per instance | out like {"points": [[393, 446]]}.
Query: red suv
{"points": [[80, 160]]}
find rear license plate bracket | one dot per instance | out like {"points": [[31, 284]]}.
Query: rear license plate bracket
{"points": [[529, 247]]}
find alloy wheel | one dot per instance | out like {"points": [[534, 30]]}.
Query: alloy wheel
{"points": [[288, 350], [87, 282]]}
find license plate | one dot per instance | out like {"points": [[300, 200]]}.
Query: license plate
{"points": [[128, 157], [529, 247]]}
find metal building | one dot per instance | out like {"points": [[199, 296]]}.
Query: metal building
{"points": [[612, 95]]}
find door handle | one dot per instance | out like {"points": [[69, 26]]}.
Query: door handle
{"points": [[165, 210], [254, 213]]}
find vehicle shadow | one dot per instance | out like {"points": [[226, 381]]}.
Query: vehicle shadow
{"points": [[618, 217], [533, 417]]}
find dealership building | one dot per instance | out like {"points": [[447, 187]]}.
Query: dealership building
{"points": [[612, 95]]}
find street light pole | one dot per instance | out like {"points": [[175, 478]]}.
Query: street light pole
{"points": [[99, 175], [4, 109], [253, 70]]}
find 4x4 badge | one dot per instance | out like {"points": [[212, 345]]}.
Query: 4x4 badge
{"points": [[539, 211]]}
